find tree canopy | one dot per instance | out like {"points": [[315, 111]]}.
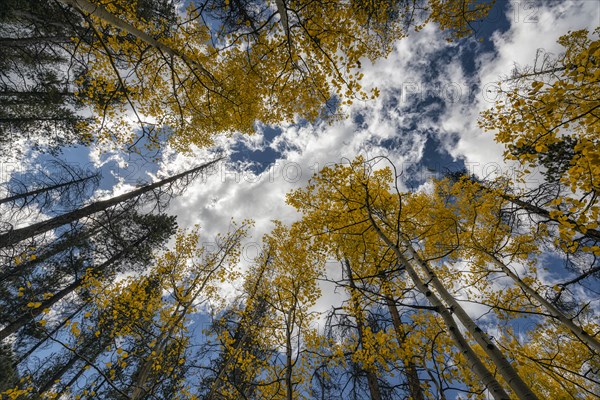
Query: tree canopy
{"points": [[374, 292]]}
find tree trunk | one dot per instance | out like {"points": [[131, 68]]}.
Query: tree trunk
{"points": [[100, 12], [21, 269], [60, 372], [144, 373], [414, 384], [26, 97], [552, 310], [477, 366], [25, 41], [46, 189], [35, 312], [289, 385], [374, 388], [48, 335], [17, 235], [507, 371], [72, 381]]}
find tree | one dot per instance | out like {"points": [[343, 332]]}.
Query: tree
{"points": [[374, 389], [193, 287], [133, 341], [354, 189], [285, 279], [131, 248], [484, 236], [189, 78], [44, 76], [241, 354], [375, 289], [57, 187], [37, 74], [158, 188], [128, 251], [549, 120], [9, 374]]}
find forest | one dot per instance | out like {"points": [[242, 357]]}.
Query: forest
{"points": [[471, 286]]}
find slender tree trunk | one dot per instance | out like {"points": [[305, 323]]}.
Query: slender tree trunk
{"points": [[17, 235], [507, 371], [552, 310], [48, 335], [62, 245], [414, 383], [91, 346], [25, 41], [289, 385], [60, 372], [374, 388], [438, 386], [144, 373], [46, 189], [477, 366], [26, 97], [283, 18], [72, 381], [37, 118], [100, 12], [35, 312]]}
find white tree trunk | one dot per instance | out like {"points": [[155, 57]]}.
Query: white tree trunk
{"points": [[551, 308], [507, 371], [478, 367]]}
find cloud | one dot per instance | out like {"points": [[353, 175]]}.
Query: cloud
{"points": [[372, 128]]}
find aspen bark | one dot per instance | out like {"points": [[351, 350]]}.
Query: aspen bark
{"points": [[414, 384], [552, 310], [478, 367], [505, 369], [374, 389]]}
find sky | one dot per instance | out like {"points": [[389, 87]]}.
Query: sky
{"points": [[425, 121]]}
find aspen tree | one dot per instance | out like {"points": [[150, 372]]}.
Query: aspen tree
{"points": [[190, 80], [190, 286], [477, 232], [131, 251], [292, 271], [548, 119], [343, 189]]}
